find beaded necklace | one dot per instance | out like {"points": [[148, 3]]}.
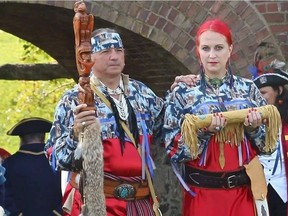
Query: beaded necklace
{"points": [[214, 82], [120, 103], [214, 85]]}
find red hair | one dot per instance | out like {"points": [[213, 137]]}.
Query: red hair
{"points": [[215, 25]]}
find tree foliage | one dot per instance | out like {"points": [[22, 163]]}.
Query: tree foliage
{"points": [[32, 54], [23, 99]]}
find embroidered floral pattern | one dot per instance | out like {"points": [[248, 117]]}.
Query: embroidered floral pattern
{"points": [[147, 106]]}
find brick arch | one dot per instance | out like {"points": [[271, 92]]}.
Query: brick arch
{"points": [[159, 39], [173, 25], [158, 35]]}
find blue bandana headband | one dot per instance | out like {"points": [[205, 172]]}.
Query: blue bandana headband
{"points": [[105, 40]]}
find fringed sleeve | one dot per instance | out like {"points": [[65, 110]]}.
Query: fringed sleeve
{"points": [[176, 107], [234, 128]]}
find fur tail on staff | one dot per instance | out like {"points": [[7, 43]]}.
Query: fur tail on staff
{"points": [[234, 130], [92, 149]]}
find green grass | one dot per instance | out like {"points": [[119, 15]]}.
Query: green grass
{"points": [[11, 49]]}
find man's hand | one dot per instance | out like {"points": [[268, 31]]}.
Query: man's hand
{"points": [[82, 118], [190, 80]]}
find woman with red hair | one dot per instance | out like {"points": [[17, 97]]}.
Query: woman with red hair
{"points": [[214, 178]]}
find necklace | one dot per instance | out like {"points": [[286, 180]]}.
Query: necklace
{"points": [[117, 91], [122, 107], [120, 103], [214, 82], [214, 85]]}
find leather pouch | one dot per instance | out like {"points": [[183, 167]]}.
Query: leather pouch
{"points": [[258, 182]]}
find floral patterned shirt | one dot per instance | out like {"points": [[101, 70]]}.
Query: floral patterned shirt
{"points": [[146, 105]]}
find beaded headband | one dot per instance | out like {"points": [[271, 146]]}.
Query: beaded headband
{"points": [[105, 40]]}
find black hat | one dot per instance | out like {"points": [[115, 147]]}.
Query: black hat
{"points": [[278, 78], [29, 126]]}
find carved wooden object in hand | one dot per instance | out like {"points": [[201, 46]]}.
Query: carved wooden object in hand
{"points": [[83, 26]]}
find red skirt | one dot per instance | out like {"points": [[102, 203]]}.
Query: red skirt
{"points": [[225, 202]]}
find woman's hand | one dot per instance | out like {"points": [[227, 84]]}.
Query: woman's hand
{"points": [[82, 118], [190, 80], [218, 123], [253, 120]]}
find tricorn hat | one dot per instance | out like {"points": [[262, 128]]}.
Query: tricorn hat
{"points": [[29, 126], [277, 78]]}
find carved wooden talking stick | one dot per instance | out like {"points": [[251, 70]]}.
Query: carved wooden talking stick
{"points": [[83, 26], [90, 147]]}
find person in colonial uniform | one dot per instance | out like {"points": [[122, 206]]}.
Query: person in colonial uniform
{"points": [[31, 187], [2, 180], [3, 155], [271, 83]]}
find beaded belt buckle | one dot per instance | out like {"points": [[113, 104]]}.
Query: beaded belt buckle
{"points": [[124, 191]]}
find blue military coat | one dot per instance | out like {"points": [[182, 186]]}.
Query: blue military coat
{"points": [[31, 187]]}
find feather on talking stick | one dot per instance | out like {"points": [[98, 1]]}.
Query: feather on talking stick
{"points": [[90, 147]]}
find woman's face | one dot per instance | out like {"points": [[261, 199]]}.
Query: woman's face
{"points": [[214, 53], [270, 94]]}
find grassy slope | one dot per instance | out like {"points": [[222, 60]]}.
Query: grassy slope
{"points": [[10, 50]]}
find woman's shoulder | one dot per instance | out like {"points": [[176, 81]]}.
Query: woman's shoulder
{"points": [[243, 80], [137, 87], [183, 87], [184, 91]]}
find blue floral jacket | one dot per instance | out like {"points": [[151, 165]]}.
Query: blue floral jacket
{"points": [[147, 106], [202, 99]]}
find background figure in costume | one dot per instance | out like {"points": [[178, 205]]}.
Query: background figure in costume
{"points": [[72, 199], [2, 180], [216, 91], [271, 81], [31, 187], [3, 155], [132, 103]]}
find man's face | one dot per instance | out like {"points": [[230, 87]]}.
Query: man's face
{"points": [[108, 62]]}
